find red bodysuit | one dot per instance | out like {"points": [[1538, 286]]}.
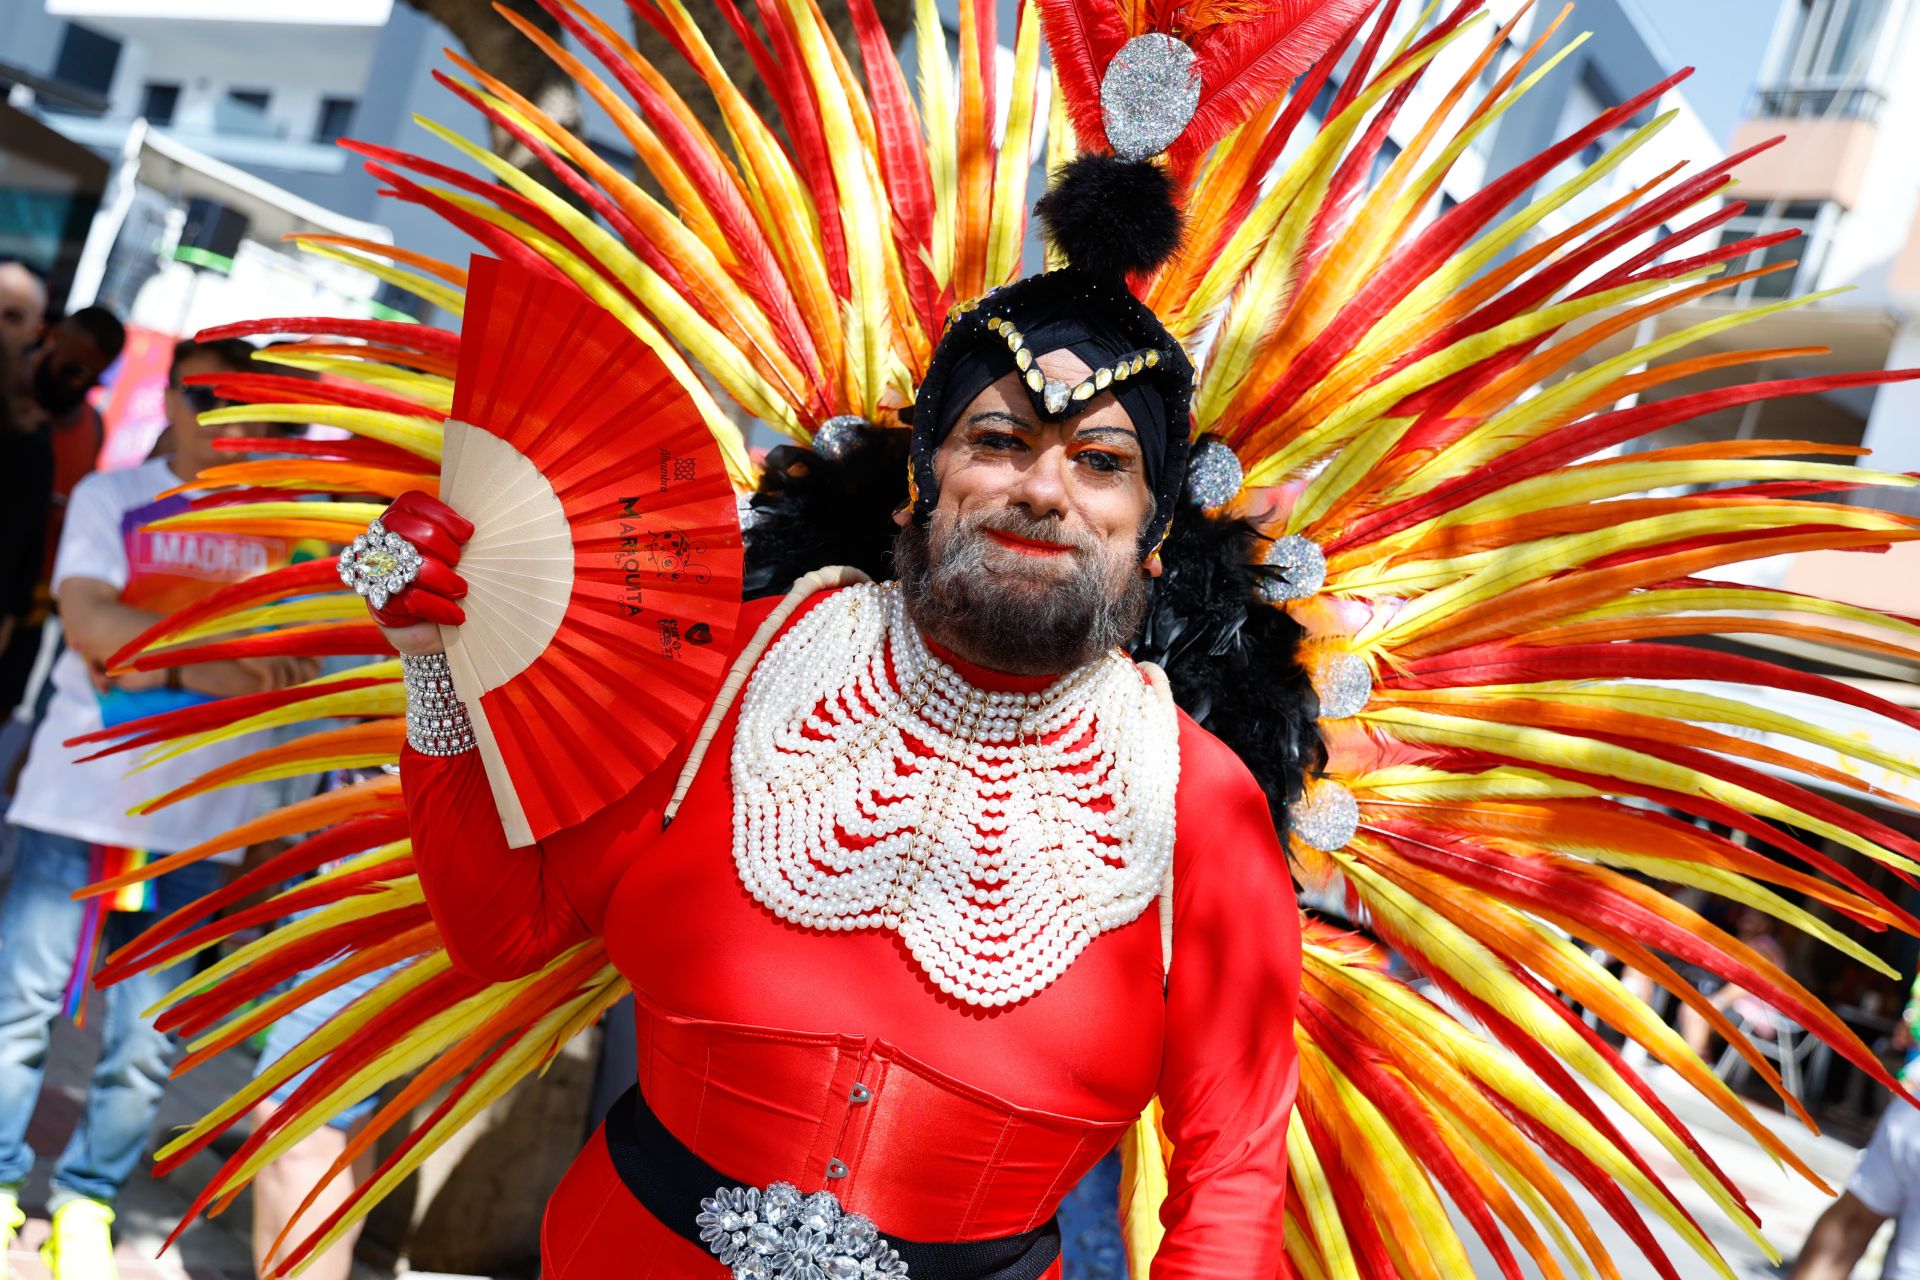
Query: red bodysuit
{"points": [[971, 1123]]}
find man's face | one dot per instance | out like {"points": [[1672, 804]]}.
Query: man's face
{"points": [[1032, 557], [23, 308], [66, 366], [192, 440]]}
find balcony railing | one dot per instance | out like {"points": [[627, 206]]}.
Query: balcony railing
{"points": [[1817, 100]]}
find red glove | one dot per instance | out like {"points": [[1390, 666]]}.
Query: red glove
{"points": [[438, 532]]}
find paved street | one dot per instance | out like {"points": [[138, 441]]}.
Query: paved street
{"points": [[148, 1210]]}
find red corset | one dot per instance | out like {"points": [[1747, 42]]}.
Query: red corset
{"points": [[925, 1156], [980, 1120]]}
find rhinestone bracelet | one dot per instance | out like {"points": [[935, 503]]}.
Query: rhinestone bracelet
{"points": [[437, 723]]}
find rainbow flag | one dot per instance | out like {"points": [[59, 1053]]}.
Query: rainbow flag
{"points": [[104, 862]]}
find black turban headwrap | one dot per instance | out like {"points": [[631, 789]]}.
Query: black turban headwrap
{"points": [[1100, 321]]}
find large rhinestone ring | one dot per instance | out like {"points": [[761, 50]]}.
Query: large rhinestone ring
{"points": [[779, 1234], [380, 564]]}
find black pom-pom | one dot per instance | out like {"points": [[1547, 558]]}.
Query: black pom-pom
{"points": [[813, 511], [1111, 217], [1232, 660]]}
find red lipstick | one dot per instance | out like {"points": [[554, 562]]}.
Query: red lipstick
{"points": [[1027, 546]]}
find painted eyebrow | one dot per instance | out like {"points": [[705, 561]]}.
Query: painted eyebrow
{"points": [[998, 415], [1088, 433]]}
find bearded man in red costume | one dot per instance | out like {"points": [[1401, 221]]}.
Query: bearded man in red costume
{"points": [[948, 889]]}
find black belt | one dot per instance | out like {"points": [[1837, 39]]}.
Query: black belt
{"points": [[669, 1181]]}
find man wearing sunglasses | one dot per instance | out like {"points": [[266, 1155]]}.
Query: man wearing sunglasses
{"points": [[113, 577]]}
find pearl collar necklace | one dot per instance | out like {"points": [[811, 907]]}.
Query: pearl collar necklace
{"points": [[996, 833]]}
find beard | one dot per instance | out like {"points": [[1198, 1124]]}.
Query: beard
{"points": [[980, 601], [57, 397]]}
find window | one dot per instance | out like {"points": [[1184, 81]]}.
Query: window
{"points": [[1834, 39], [242, 113], [158, 101], [336, 117], [1323, 100], [1383, 160], [86, 59], [1827, 64], [1812, 218]]}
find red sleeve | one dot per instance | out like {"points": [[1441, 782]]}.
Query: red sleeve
{"points": [[506, 912], [1228, 1073]]}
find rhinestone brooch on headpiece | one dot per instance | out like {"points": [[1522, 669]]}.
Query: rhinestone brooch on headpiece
{"points": [[779, 1234], [1326, 816], [380, 564], [1302, 566], [1342, 680], [1214, 474], [1148, 95], [840, 435]]}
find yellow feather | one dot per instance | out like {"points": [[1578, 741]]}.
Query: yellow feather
{"points": [[937, 109], [1309, 1178], [1476, 578], [1474, 967], [427, 388], [501, 1075], [377, 700], [704, 342], [335, 606], [416, 435], [862, 202], [1586, 755], [242, 517], [448, 298], [1013, 165], [733, 448]]}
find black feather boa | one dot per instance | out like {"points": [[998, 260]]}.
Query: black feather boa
{"points": [[812, 511], [1231, 660]]}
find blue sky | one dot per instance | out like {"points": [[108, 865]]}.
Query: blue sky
{"points": [[1723, 40]]}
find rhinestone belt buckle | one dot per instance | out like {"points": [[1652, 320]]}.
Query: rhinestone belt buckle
{"points": [[779, 1234], [380, 564]]}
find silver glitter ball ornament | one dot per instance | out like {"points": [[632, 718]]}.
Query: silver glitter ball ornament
{"points": [[1326, 816], [1214, 475], [840, 435], [1302, 566], [1343, 681], [1148, 95]]}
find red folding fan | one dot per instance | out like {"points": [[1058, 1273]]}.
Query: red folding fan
{"points": [[604, 569]]}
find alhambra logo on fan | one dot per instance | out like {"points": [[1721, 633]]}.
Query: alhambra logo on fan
{"points": [[674, 469]]}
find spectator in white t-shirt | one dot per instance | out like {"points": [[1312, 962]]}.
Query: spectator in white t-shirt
{"points": [[1885, 1184], [113, 578]]}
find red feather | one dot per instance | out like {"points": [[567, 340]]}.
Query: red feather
{"points": [[903, 161], [149, 730], [274, 388], [303, 579], [356, 835], [356, 449], [1412, 1124], [759, 273], [327, 640], [411, 337]]}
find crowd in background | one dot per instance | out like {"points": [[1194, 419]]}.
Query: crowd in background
{"points": [[81, 576]]}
